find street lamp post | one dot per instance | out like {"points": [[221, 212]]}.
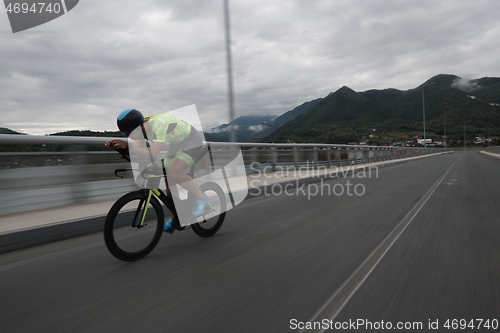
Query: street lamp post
{"points": [[232, 130], [465, 143], [445, 130], [423, 111]]}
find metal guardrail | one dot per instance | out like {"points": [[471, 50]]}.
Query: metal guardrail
{"points": [[495, 149], [332, 154], [82, 176]]}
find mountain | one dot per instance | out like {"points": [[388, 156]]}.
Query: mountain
{"points": [[108, 134], [259, 126], [52, 147], [292, 114], [4, 130], [264, 130], [382, 116], [243, 121]]}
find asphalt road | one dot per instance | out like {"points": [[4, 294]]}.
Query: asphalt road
{"points": [[419, 244]]}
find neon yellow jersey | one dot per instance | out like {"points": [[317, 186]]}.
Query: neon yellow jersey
{"points": [[168, 128]]}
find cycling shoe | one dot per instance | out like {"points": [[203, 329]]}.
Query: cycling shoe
{"points": [[169, 226], [200, 206]]}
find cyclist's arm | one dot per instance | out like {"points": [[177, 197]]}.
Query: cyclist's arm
{"points": [[137, 147], [116, 144], [155, 148]]}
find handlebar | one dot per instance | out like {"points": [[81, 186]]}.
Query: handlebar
{"points": [[121, 170], [124, 153]]}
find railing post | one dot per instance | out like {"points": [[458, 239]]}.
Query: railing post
{"points": [[339, 149], [296, 157], [316, 159], [329, 157], [274, 158], [254, 154]]}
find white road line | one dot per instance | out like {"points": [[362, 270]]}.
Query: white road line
{"points": [[339, 299]]}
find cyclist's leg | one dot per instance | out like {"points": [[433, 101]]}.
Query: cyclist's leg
{"points": [[176, 174], [171, 191], [182, 156]]}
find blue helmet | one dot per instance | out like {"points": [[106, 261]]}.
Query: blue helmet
{"points": [[128, 120]]}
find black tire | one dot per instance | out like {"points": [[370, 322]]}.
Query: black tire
{"points": [[128, 242], [210, 225]]}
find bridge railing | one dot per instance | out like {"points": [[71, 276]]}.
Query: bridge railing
{"points": [[495, 149], [32, 180]]}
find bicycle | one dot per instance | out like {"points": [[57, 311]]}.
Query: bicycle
{"points": [[134, 224]]}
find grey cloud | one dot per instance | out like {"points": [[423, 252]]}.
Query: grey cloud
{"points": [[157, 55], [465, 84]]}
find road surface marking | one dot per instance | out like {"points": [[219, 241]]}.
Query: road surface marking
{"points": [[339, 299]]}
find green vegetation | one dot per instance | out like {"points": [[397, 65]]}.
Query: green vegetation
{"points": [[378, 117], [4, 130], [259, 132], [392, 116], [51, 148]]}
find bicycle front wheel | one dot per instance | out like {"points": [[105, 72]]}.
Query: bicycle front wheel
{"points": [[125, 236]]}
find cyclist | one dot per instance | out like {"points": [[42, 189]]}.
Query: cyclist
{"points": [[185, 146]]}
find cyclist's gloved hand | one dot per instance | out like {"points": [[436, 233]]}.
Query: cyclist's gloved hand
{"points": [[120, 146]]}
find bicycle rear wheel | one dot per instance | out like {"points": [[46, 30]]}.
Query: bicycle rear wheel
{"points": [[125, 238], [213, 219]]}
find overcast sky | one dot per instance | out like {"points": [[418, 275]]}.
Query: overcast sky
{"points": [[80, 70]]}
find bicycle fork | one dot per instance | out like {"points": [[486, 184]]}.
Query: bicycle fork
{"points": [[144, 202], [169, 203]]}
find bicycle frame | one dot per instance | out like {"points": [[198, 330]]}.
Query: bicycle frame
{"points": [[150, 214], [169, 203], [167, 200], [148, 200]]}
